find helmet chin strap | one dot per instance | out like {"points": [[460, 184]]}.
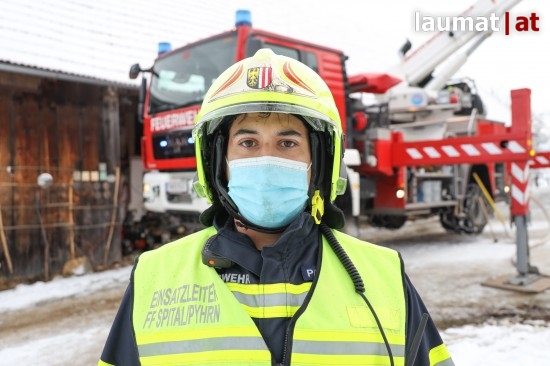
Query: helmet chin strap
{"points": [[250, 226], [240, 224]]}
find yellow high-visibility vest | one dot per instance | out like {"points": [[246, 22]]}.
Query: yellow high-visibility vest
{"points": [[184, 313]]}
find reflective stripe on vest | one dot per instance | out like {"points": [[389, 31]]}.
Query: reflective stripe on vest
{"points": [[184, 312], [440, 356], [335, 332], [270, 301]]}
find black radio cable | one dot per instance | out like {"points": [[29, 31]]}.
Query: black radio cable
{"points": [[356, 278]]}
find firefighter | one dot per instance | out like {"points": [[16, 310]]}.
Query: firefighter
{"points": [[271, 281]]}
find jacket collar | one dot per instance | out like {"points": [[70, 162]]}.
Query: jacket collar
{"points": [[301, 236]]}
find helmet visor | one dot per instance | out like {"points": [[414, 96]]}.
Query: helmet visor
{"points": [[318, 121]]}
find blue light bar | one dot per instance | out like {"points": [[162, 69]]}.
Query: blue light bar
{"points": [[243, 17], [164, 47]]}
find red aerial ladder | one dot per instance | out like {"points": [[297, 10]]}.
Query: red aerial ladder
{"points": [[412, 151]]}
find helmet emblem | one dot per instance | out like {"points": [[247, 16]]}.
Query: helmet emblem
{"points": [[259, 77]]}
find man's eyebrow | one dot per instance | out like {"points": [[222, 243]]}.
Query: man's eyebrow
{"points": [[289, 133], [245, 131]]}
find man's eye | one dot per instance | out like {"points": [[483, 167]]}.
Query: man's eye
{"points": [[247, 143], [288, 143]]}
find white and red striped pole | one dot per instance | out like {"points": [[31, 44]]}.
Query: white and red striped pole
{"points": [[519, 190]]}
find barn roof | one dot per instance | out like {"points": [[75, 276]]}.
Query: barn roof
{"points": [[97, 41]]}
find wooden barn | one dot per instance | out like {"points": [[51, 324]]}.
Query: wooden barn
{"points": [[69, 136], [65, 147]]}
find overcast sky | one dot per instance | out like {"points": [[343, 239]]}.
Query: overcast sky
{"points": [[75, 35], [371, 32]]}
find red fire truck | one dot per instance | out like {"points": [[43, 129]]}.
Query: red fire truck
{"points": [[418, 146]]}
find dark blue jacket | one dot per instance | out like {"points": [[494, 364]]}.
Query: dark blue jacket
{"points": [[292, 259]]}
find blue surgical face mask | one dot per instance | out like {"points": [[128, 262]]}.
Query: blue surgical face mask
{"points": [[269, 191]]}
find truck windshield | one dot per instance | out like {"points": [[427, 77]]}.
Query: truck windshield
{"points": [[182, 78]]}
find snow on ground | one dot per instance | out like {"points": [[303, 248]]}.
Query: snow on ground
{"points": [[496, 341], [500, 343], [491, 344], [24, 296]]}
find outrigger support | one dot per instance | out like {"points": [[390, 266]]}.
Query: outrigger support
{"points": [[528, 279]]}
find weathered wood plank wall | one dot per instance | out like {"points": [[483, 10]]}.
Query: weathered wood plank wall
{"points": [[73, 132]]}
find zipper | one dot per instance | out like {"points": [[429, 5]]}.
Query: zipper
{"points": [[287, 348], [288, 338]]}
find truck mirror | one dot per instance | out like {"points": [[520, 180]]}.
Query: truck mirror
{"points": [[135, 69], [141, 100]]}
